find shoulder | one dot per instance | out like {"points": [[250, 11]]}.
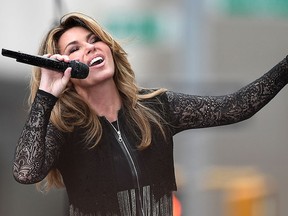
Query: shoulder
{"points": [[147, 91], [161, 94], [150, 94], [156, 98]]}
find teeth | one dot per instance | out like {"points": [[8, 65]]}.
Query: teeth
{"points": [[96, 61]]}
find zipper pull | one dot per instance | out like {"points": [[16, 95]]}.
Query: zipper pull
{"points": [[119, 136]]}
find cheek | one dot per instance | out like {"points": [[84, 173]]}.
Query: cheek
{"points": [[112, 65], [75, 56], [70, 84], [77, 82], [111, 61]]}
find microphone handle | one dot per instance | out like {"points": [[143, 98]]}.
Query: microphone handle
{"points": [[79, 70]]}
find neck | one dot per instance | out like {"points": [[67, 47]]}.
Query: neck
{"points": [[104, 100]]}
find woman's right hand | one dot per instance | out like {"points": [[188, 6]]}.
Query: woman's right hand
{"points": [[55, 82]]}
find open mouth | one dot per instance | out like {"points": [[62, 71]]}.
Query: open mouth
{"points": [[96, 61]]}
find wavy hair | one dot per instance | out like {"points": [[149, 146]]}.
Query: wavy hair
{"points": [[71, 111]]}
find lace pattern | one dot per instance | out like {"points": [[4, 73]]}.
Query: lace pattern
{"points": [[36, 150], [192, 111]]}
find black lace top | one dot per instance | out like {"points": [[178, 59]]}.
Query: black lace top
{"points": [[93, 177]]}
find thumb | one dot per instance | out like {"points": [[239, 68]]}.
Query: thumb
{"points": [[67, 75]]}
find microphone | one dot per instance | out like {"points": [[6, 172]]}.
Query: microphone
{"points": [[79, 70]]}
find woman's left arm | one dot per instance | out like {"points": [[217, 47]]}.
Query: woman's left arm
{"points": [[191, 111]]}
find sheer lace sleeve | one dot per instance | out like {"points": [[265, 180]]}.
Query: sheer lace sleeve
{"points": [[39, 143], [191, 111]]}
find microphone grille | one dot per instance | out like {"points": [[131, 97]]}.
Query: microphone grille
{"points": [[79, 69]]}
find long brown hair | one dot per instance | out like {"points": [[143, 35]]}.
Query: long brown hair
{"points": [[70, 110]]}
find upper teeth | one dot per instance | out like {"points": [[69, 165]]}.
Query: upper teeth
{"points": [[100, 59]]}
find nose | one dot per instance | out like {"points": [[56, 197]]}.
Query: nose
{"points": [[90, 48]]}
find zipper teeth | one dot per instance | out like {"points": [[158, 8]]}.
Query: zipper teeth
{"points": [[130, 157], [127, 151], [132, 161]]}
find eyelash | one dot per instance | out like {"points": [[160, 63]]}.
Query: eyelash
{"points": [[74, 49], [94, 39]]}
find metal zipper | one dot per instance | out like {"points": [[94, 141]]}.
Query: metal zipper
{"points": [[131, 161]]}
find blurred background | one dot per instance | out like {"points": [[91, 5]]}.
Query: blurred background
{"points": [[206, 47]]}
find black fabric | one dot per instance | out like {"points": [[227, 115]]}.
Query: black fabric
{"points": [[89, 175]]}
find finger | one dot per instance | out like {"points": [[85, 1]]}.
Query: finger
{"points": [[66, 58], [57, 57], [67, 75], [47, 55]]}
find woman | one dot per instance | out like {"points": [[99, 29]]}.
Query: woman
{"points": [[107, 141]]}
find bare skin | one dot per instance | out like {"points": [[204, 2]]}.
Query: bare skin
{"points": [[98, 89]]}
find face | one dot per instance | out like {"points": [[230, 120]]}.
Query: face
{"points": [[84, 46]]}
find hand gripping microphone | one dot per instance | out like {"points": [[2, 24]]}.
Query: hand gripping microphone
{"points": [[79, 70]]}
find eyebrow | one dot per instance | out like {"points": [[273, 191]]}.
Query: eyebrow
{"points": [[76, 42]]}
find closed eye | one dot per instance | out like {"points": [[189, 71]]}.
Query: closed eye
{"points": [[73, 49], [94, 39]]}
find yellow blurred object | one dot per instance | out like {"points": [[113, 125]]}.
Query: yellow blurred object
{"points": [[246, 196], [246, 191]]}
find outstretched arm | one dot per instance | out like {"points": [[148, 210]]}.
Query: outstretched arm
{"points": [[39, 143], [190, 111]]}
